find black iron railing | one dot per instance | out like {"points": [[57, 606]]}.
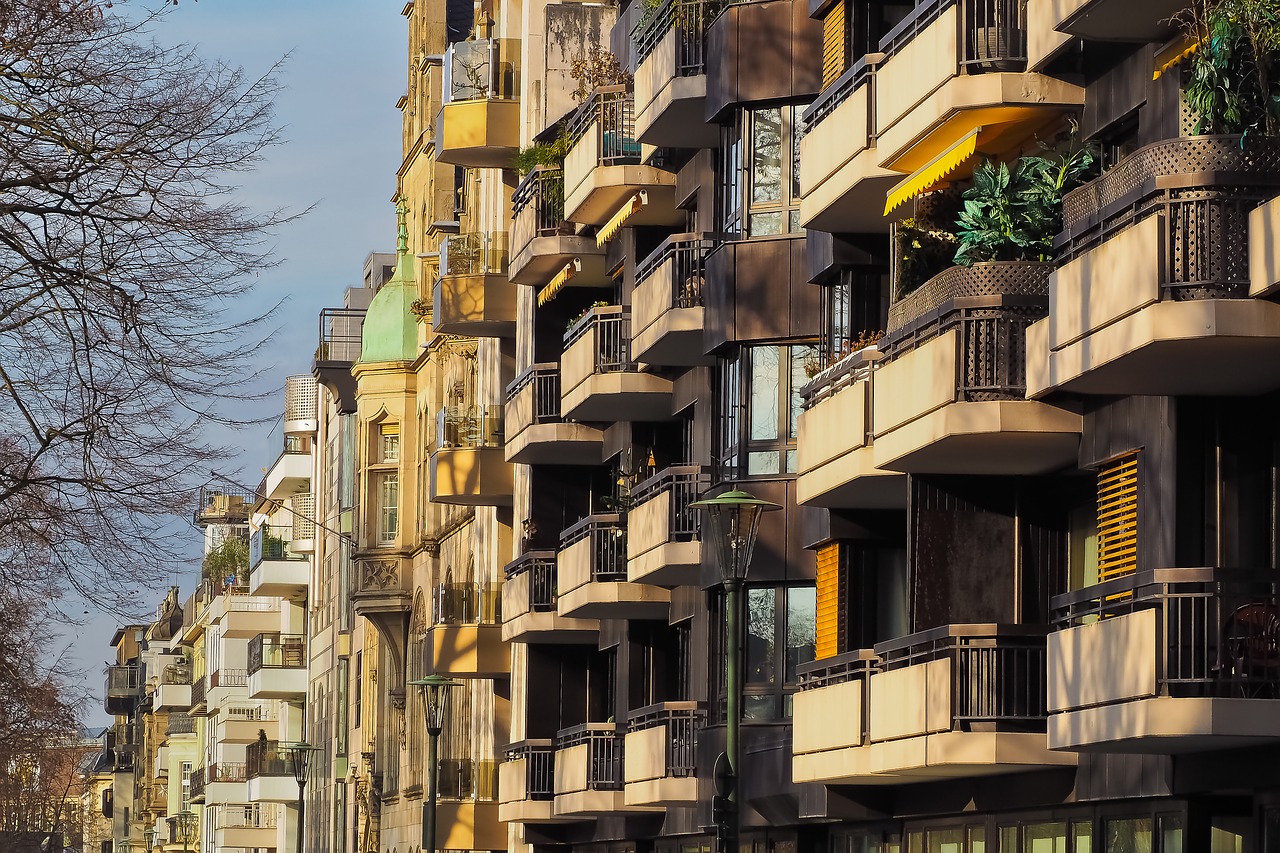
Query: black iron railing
{"points": [[681, 720], [998, 672], [1202, 189], [604, 753], [277, 651], [199, 686], [861, 73], [340, 330], [1217, 631], [688, 256], [539, 757], [690, 20], [685, 483], [609, 114], [611, 327], [264, 758], [537, 205], [217, 504], [540, 567], [992, 34], [607, 534], [544, 379], [469, 427]]}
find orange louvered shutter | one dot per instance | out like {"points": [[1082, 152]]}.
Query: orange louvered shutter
{"points": [[1118, 517], [828, 613], [834, 28]]}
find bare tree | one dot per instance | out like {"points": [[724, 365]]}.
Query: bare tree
{"points": [[127, 265]]}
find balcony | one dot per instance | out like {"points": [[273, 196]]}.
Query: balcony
{"points": [[242, 616], [199, 699], [659, 765], [472, 296], [220, 782], [479, 124], [671, 79], [835, 454], [467, 463], [1149, 279], [246, 826], [663, 547], [588, 771], [225, 684], [301, 405], [468, 808], [543, 244], [302, 532], [1109, 20], [122, 690], [526, 783], [269, 773], [599, 379], [592, 574], [274, 568], [602, 170], [466, 641], [339, 348], [290, 474], [949, 397], [667, 303], [239, 722], [1166, 661], [179, 723], [529, 604], [536, 433], [173, 692], [278, 666], [956, 702]]}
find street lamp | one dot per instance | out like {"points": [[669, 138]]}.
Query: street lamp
{"points": [[186, 827], [435, 690], [733, 519], [149, 836], [299, 755]]}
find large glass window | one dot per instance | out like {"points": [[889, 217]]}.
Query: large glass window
{"points": [[780, 636], [760, 173], [760, 407], [387, 495]]}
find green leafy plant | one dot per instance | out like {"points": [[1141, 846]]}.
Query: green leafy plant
{"points": [[921, 251], [543, 154], [229, 560], [599, 303], [1232, 84], [1011, 213]]}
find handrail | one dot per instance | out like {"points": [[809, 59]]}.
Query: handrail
{"points": [[581, 529], [841, 88], [855, 665]]}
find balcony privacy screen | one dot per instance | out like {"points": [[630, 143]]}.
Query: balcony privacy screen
{"points": [[1118, 517]]}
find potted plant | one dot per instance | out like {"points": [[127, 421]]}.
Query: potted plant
{"points": [[227, 562], [1232, 84]]}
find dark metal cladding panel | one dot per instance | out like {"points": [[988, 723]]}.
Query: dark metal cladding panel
{"points": [[1109, 776], [763, 52]]}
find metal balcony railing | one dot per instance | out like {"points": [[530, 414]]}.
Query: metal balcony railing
{"points": [[271, 542], [247, 816], [607, 534], [992, 34], [685, 483], [176, 673], [124, 681], [470, 427], [475, 253], [199, 687], [610, 115], [688, 256], [539, 758], [611, 327], [545, 381], [604, 753], [468, 604], [277, 651], [301, 397], [681, 720], [690, 20], [540, 566], [1217, 630], [229, 678], [180, 724], [482, 69], [537, 206], [340, 331], [220, 505], [264, 758]]}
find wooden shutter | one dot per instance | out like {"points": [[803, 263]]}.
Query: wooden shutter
{"points": [[1118, 517], [828, 610], [835, 27]]}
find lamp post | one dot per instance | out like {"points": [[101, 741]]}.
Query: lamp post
{"points": [[435, 690], [299, 755], [733, 519], [149, 836], [186, 827]]}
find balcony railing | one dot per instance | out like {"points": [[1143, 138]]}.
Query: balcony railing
{"points": [[861, 73], [688, 256], [271, 542], [469, 427], [539, 758], [1218, 631], [610, 115], [852, 368], [340, 331], [474, 253], [251, 713], [199, 687], [537, 205], [180, 724], [681, 720], [176, 673], [265, 759], [481, 69], [998, 672], [229, 678], [247, 816], [464, 779], [468, 604], [545, 379], [277, 651], [992, 36], [604, 753], [124, 681], [220, 505], [304, 517], [611, 325], [991, 304], [540, 566], [221, 771], [1202, 188], [690, 20], [608, 537], [684, 482]]}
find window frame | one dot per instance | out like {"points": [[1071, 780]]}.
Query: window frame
{"points": [[738, 453], [738, 175]]}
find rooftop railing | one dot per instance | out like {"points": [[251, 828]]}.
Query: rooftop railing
{"points": [[340, 331]]}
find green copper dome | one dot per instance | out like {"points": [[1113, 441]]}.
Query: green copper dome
{"points": [[390, 328]]}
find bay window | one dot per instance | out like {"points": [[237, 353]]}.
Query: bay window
{"points": [[760, 173]]}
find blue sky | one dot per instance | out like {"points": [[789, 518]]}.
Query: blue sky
{"points": [[345, 70]]}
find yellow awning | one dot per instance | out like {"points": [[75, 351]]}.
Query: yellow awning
{"points": [[1173, 54], [933, 171], [559, 281], [615, 223]]}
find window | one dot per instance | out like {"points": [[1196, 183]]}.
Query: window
{"points": [[387, 495], [186, 785], [760, 173], [854, 309], [389, 443], [779, 637], [357, 694], [760, 406]]}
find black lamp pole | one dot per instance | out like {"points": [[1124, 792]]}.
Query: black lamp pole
{"points": [[733, 519], [299, 761], [435, 690]]}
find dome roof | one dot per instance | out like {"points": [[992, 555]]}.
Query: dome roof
{"points": [[390, 327]]}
